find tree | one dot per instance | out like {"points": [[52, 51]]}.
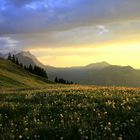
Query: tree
{"points": [[16, 61], [35, 70], [71, 82], [21, 65], [62, 81], [56, 80], [9, 56], [25, 67], [68, 82], [13, 59], [30, 68]]}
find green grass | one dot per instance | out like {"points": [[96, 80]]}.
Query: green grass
{"points": [[12, 76], [76, 112], [32, 109]]}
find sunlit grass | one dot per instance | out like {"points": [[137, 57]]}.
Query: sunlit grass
{"points": [[70, 112]]}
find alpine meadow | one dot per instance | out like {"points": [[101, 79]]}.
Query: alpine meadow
{"points": [[69, 70]]}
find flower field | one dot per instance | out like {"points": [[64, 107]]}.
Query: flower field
{"points": [[70, 112]]}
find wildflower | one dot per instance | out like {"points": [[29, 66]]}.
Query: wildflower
{"points": [[101, 126], [12, 124], [113, 134], [61, 115], [120, 138], [79, 129], [105, 113], [125, 124], [132, 124], [131, 120], [20, 137], [109, 123], [26, 129], [117, 128]]}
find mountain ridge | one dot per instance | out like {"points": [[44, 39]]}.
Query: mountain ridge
{"points": [[35, 61], [101, 73], [27, 58]]}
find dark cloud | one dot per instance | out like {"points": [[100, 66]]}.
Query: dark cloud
{"points": [[61, 22], [8, 44], [49, 15], [19, 3]]}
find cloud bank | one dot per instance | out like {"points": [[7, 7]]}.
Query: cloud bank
{"points": [[30, 16], [58, 23]]}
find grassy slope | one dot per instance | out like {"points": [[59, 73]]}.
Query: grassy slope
{"points": [[12, 76]]}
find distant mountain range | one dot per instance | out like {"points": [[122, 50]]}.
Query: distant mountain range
{"points": [[101, 73]]}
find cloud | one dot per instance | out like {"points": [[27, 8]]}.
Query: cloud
{"points": [[7, 44], [102, 29], [93, 36], [1, 19], [61, 23], [30, 16], [19, 3]]}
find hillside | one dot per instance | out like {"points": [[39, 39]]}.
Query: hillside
{"points": [[76, 74], [101, 73], [12, 76], [104, 75]]}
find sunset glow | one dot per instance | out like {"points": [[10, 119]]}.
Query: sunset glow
{"points": [[74, 32]]}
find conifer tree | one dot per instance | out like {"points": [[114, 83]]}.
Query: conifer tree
{"points": [[16, 61], [9, 56], [56, 80], [30, 68], [21, 65], [13, 58], [25, 67]]}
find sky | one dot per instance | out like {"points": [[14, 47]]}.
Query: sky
{"points": [[66, 33]]}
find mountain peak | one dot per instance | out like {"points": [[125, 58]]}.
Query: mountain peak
{"points": [[26, 58], [129, 67], [25, 53], [98, 65]]}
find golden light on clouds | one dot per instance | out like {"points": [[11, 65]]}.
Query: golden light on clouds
{"points": [[117, 43], [117, 53], [77, 32]]}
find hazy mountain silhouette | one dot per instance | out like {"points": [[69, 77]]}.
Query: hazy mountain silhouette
{"points": [[109, 75], [101, 73], [26, 58], [99, 65]]}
